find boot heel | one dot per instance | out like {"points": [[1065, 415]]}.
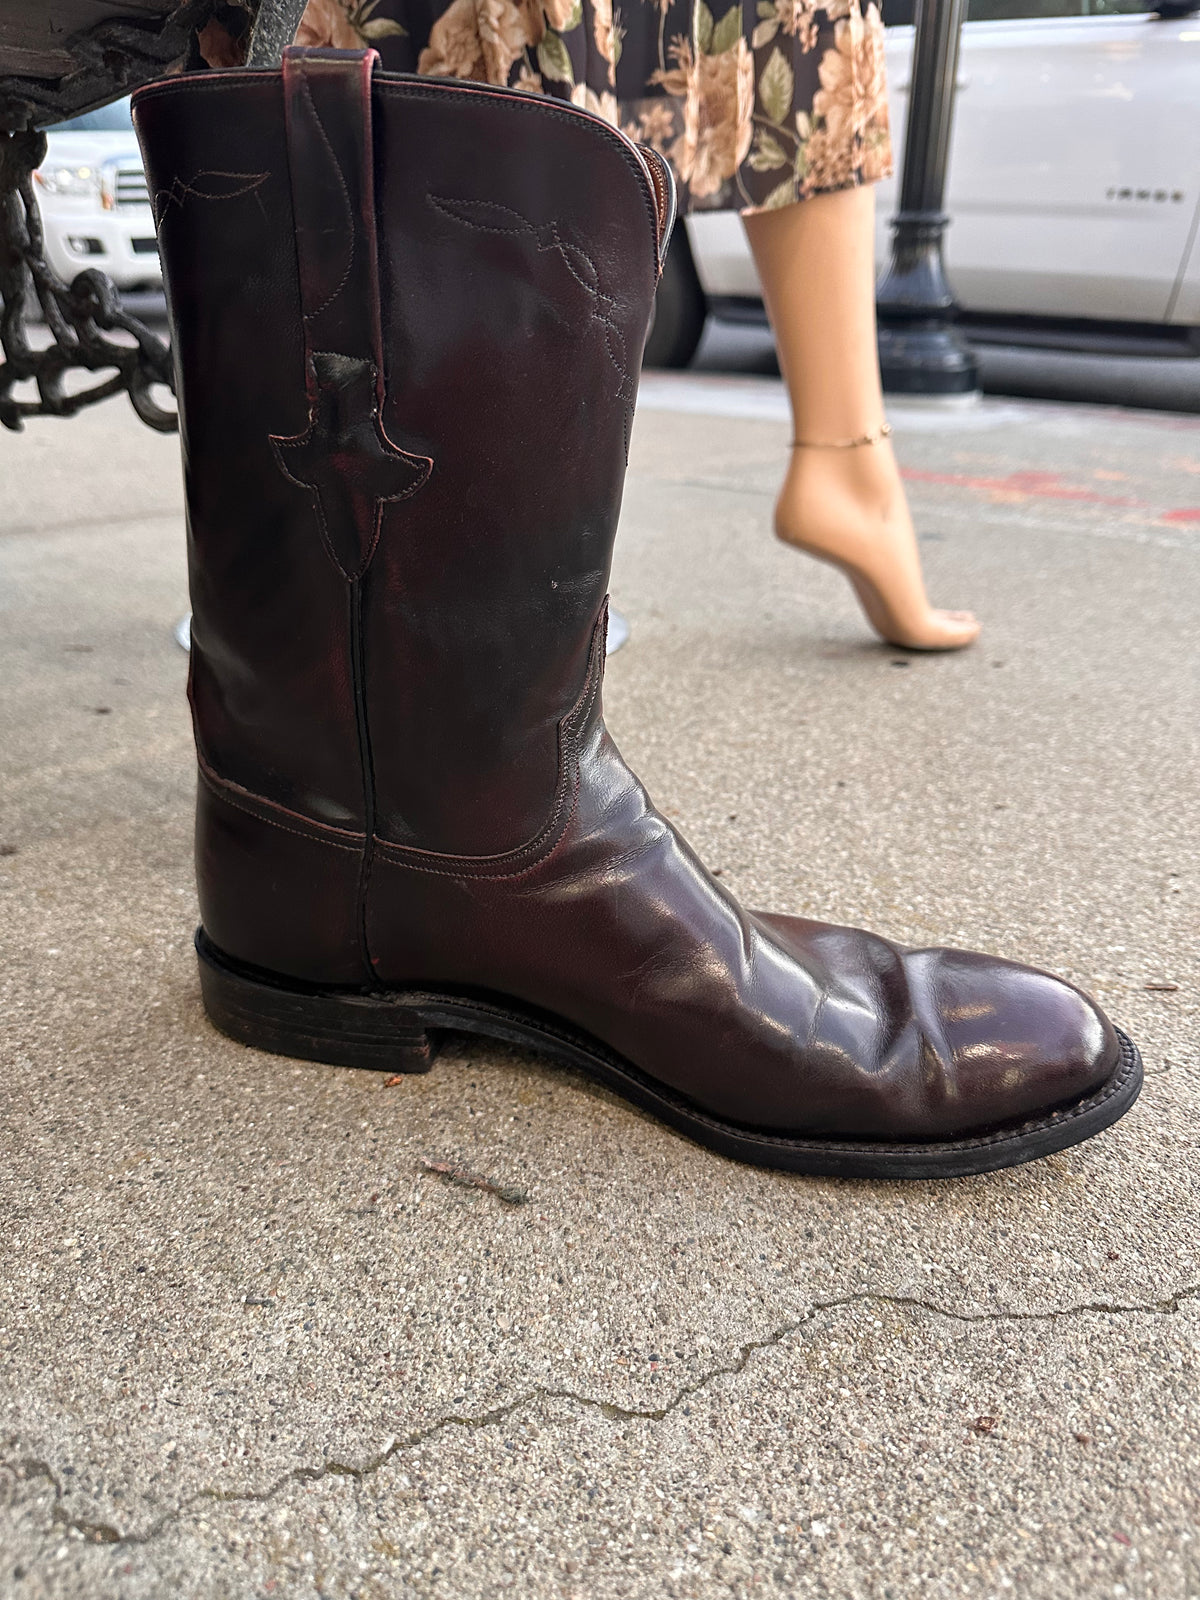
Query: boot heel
{"points": [[373, 1032]]}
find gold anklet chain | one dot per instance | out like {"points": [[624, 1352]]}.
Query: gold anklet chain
{"points": [[883, 431]]}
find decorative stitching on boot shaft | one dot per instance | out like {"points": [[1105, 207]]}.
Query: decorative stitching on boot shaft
{"points": [[400, 85], [346, 461], [547, 238], [181, 190]]}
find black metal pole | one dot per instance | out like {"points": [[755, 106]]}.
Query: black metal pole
{"points": [[920, 350]]}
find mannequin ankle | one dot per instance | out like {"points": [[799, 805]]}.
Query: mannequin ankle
{"points": [[866, 480]]}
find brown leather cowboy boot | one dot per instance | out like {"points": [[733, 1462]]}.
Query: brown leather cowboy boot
{"points": [[408, 319]]}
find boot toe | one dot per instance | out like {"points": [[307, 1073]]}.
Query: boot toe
{"points": [[1013, 1043]]}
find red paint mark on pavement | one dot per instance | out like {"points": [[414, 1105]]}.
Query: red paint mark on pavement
{"points": [[1046, 486], [1019, 485]]}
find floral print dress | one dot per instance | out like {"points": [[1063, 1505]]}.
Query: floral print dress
{"points": [[756, 103]]}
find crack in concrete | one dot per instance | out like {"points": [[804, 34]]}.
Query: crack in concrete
{"points": [[105, 1533]]}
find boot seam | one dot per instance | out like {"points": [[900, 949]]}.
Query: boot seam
{"points": [[366, 761], [255, 805], [522, 860], [516, 863]]}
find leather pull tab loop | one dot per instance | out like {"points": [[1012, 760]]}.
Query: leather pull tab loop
{"points": [[344, 458], [327, 107]]}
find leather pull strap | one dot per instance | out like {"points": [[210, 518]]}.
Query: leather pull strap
{"points": [[344, 458], [327, 105]]}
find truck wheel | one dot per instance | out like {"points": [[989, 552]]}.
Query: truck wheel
{"points": [[680, 308]]}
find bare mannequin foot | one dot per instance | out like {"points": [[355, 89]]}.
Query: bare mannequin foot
{"points": [[848, 507], [816, 263]]}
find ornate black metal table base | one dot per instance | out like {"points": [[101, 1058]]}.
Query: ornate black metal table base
{"points": [[85, 319]]}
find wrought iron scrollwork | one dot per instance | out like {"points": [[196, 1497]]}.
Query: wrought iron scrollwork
{"points": [[89, 329]]}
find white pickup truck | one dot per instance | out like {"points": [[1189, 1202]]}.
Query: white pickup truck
{"points": [[1074, 187], [92, 195]]}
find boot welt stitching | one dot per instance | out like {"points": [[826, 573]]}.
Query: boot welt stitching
{"points": [[1067, 1113], [1112, 1085]]}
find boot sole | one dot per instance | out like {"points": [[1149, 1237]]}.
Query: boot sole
{"points": [[393, 1032]]}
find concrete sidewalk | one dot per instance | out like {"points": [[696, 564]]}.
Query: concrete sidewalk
{"points": [[251, 1345]]}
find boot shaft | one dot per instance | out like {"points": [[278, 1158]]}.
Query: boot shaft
{"points": [[408, 322]]}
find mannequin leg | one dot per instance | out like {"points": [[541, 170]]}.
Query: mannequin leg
{"points": [[845, 506]]}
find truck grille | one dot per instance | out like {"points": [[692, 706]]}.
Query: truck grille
{"points": [[129, 188]]}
